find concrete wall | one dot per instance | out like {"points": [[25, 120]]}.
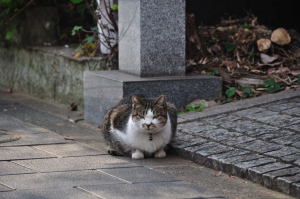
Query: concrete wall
{"points": [[48, 73]]}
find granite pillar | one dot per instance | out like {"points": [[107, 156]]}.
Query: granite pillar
{"points": [[151, 60]]}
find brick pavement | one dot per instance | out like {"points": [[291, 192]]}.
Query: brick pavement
{"points": [[259, 142]]}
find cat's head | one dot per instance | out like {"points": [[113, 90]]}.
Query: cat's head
{"points": [[149, 115]]}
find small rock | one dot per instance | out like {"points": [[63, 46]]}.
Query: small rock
{"points": [[263, 44], [250, 82], [281, 37]]}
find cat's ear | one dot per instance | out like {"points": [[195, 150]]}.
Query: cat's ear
{"points": [[161, 101], [135, 101]]}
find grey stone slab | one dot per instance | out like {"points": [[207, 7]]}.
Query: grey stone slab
{"points": [[278, 120], [284, 183], [293, 111], [295, 190], [21, 153], [214, 150], [288, 139], [255, 173], [260, 146], [263, 116], [268, 178], [4, 188], [296, 144], [295, 127], [37, 139], [283, 106], [249, 111], [220, 135], [58, 180], [105, 89], [156, 40], [291, 158], [284, 151], [242, 158], [74, 163], [195, 128], [138, 175], [47, 194], [161, 190], [229, 154], [67, 150], [221, 119], [10, 168], [249, 127], [239, 140], [192, 142]]}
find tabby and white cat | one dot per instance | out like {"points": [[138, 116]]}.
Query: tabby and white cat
{"points": [[140, 127]]}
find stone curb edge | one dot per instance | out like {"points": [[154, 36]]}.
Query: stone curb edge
{"points": [[265, 180], [239, 105]]}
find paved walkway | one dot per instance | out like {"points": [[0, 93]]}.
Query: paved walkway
{"points": [[45, 156], [257, 139]]}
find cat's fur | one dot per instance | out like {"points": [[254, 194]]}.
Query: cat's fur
{"points": [[140, 127]]}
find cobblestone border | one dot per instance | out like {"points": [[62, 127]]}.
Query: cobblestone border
{"points": [[257, 139]]}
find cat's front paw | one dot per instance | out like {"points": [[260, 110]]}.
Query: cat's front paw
{"points": [[160, 154], [137, 154]]}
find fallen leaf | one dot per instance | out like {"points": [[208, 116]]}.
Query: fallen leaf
{"points": [[77, 55]]}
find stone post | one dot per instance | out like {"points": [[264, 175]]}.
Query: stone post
{"points": [[151, 60]]}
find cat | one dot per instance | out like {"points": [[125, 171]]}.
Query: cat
{"points": [[140, 127]]}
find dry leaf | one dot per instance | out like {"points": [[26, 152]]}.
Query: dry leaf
{"points": [[281, 37], [77, 55]]}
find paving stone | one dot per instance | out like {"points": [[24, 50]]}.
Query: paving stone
{"points": [[67, 150], [238, 140], [162, 190], [194, 142], [285, 106], [200, 146], [9, 168], [268, 178], [254, 163], [284, 183], [37, 139], [222, 119], [297, 162], [250, 127], [291, 158], [278, 120], [249, 111], [4, 188], [274, 135], [295, 190], [284, 151], [255, 173], [213, 150], [138, 175], [220, 134], [260, 146], [195, 127], [296, 144], [47, 194], [58, 179], [74, 163], [288, 139], [229, 154], [21, 153], [293, 111], [295, 127], [242, 158], [297, 100]]}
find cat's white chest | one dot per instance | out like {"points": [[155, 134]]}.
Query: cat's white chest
{"points": [[137, 138]]}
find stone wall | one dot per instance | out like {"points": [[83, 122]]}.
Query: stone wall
{"points": [[47, 72]]}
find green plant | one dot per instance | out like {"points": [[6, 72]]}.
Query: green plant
{"points": [[272, 86], [75, 30], [247, 92], [115, 7], [247, 26], [194, 108], [76, 1], [229, 46], [10, 34], [215, 72], [230, 92]]}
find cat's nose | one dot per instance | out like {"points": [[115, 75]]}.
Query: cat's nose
{"points": [[147, 126]]}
